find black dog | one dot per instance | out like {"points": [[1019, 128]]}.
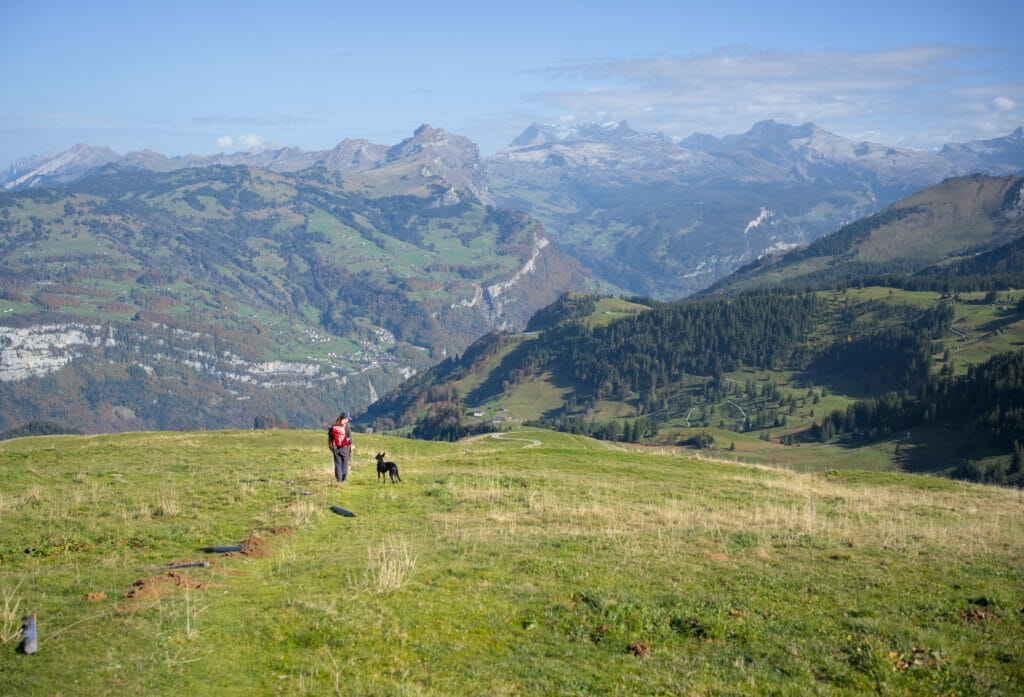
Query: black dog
{"points": [[386, 468]]}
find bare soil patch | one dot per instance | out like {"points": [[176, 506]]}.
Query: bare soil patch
{"points": [[154, 587], [639, 649], [253, 547], [977, 614], [230, 572]]}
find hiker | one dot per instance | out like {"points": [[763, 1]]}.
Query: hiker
{"points": [[339, 438]]}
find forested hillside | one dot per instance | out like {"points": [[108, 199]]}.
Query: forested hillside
{"points": [[987, 404], [964, 234], [786, 366]]}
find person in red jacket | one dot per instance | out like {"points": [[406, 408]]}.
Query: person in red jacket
{"points": [[339, 438]]}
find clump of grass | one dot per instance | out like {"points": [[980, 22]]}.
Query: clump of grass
{"points": [[10, 616], [389, 567]]}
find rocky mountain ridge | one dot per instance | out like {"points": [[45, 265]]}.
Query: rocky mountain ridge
{"points": [[783, 145], [639, 210], [667, 219], [964, 226]]}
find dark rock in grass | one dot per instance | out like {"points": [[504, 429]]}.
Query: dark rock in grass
{"points": [[343, 511]]}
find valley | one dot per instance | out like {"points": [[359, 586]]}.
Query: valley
{"points": [[777, 365], [404, 284]]}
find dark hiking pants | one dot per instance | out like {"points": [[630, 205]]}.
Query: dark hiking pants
{"points": [[342, 456]]}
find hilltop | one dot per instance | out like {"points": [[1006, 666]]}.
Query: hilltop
{"points": [[964, 227], [536, 564]]}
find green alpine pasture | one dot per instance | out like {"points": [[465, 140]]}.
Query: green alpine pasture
{"points": [[527, 563]]}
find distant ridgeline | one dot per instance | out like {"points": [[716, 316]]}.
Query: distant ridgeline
{"points": [[966, 234], [998, 269]]}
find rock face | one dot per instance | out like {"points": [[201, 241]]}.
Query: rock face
{"points": [[39, 350], [57, 168], [42, 349], [353, 155], [432, 151]]}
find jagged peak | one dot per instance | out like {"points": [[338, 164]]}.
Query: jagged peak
{"points": [[428, 132], [536, 134], [426, 137], [773, 129]]}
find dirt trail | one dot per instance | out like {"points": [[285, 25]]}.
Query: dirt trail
{"points": [[532, 443]]}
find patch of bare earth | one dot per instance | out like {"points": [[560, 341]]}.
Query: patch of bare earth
{"points": [[230, 572], [253, 547], [639, 649], [977, 614], [155, 587]]}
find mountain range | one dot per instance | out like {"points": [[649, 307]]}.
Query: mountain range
{"points": [[640, 211], [142, 291], [910, 321]]}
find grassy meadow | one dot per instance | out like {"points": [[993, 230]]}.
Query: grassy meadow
{"points": [[535, 563]]}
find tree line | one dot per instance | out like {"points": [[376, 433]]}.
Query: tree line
{"points": [[987, 404]]}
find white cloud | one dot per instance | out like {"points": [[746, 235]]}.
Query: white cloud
{"points": [[1004, 104], [225, 142], [254, 142], [901, 94]]}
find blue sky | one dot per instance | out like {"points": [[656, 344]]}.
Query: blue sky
{"points": [[207, 77]]}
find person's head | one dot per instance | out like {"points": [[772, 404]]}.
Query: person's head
{"points": [[342, 419]]}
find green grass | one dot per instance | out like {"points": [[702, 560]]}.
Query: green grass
{"points": [[749, 448], [608, 310], [498, 568]]}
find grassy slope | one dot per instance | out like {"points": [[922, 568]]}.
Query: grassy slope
{"points": [[497, 568]]}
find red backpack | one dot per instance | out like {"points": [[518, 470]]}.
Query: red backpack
{"points": [[339, 437]]}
